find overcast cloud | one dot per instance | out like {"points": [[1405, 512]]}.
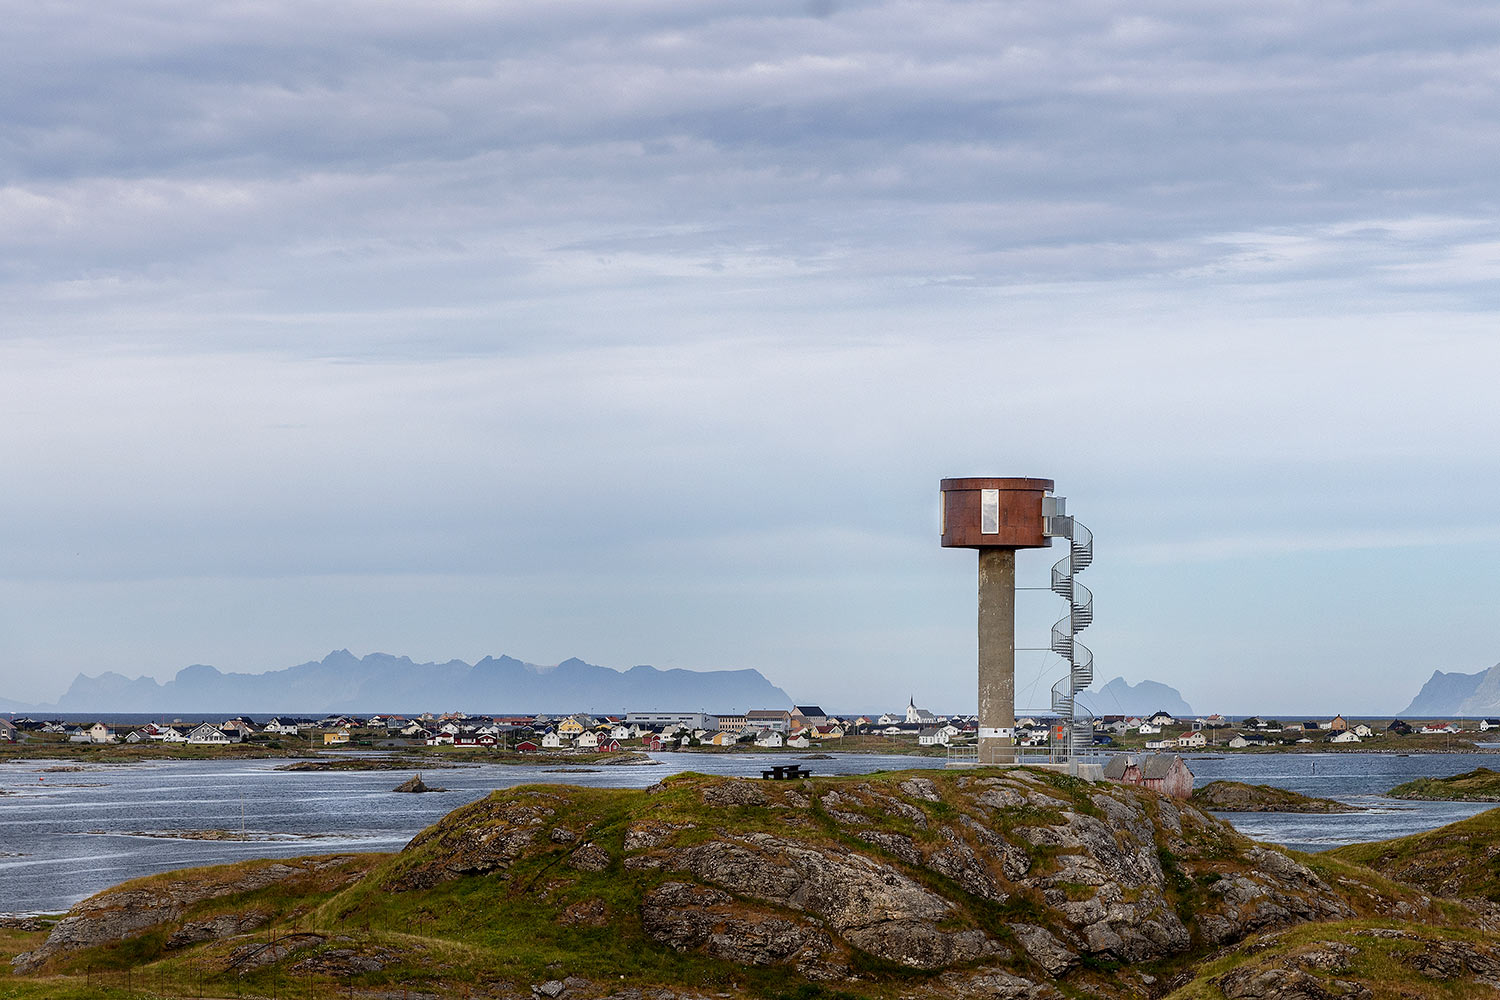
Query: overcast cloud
{"points": [[643, 332]]}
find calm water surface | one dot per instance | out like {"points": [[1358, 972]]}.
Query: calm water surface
{"points": [[66, 835]]}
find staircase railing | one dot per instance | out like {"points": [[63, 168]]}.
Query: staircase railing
{"points": [[1065, 630]]}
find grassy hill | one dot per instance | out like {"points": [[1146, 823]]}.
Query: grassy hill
{"points": [[1459, 860], [1478, 785]]}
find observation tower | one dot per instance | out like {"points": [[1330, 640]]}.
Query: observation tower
{"points": [[997, 517]]}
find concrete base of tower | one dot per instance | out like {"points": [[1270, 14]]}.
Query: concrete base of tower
{"points": [[997, 655]]}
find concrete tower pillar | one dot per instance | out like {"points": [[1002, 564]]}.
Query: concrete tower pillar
{"points": [[997, 655]]}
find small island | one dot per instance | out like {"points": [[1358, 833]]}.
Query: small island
{"points": [[1236, 796], [1478, 785]]}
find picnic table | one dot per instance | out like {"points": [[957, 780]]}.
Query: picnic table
{"points": [[785, 772]]}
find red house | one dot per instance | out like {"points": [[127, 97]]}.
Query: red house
{"points": [[652, 743], [528, 746]]}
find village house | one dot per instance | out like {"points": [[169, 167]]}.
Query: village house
{"points": [[1162, 719], [587, 741], [551, 741], [1193, 739], [809, 715], [336, 738], [1485, 725], [100, 733], [209, 734], [934, 736], [277, 727], [1362, 731], [1344, 736], [1338, 724], [1149, 729], [769, 738], [1168, 744]]}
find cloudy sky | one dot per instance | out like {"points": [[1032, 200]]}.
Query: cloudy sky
{"points": [[644, 331]]}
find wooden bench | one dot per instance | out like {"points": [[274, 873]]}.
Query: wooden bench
{"points": [[785, 772]]}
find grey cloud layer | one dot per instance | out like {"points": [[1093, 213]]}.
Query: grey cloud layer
{"points": [[157, 156]]}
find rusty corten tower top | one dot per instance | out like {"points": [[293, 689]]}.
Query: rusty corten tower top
{"points": [[994, 513]]}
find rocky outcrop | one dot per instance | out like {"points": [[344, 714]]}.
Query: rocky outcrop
{"points": [[168, 901], [415, 785], [1358, 965], [1235, 796], [913, 874], [986, 883]]}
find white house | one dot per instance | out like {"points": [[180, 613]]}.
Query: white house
{"points": [[208, 733], [550, 740], [799, 742], [769, 738], [934, 736], [170, 734], [1346, 736], [587, 741], [1363, 731], [1193, 739], [1238, 742], [1147, 729], [100, 733], [1485, 725], [279, 728], [1160, 744]]}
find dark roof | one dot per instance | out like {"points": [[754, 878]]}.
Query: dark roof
{"points": [[808, 710], [1115, 769]]}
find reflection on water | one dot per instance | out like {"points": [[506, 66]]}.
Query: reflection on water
{"points": [[64, 837]]}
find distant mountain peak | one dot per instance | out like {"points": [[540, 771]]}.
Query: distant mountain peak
{"points": [[1462, 695], [383, 682], [1119, 697]]}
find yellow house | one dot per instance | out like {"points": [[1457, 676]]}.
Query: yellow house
{"points": [[330, 739], [724, 739], [569, 727]]}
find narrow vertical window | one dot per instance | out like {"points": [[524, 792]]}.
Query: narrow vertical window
{"points": [[942, 512], [989, 512]]}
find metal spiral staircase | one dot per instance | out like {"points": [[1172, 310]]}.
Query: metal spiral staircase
{"points": [[1079, 733]]}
